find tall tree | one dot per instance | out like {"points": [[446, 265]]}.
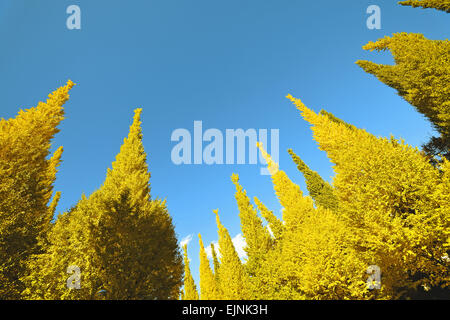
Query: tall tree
{"points": [[122, 241], [216, 264], [208, 284], [387, 196], [190, 289], [232, 275], [421, 75], [314, 258], [26, 186], [257, 237]]}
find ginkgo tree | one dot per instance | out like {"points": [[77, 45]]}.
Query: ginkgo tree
{"points": [[421, 75], [122, 240], [27, 174], [387, 209]]}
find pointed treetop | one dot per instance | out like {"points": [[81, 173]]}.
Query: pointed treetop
{"points": [[257, 237], [216, 212], [275, 224], [306, 113], [27, 174], [272, 166], [190, 289], [130, 168], [319, 189], [34, 127], [207, 280], [231, 268], [54, 163]]}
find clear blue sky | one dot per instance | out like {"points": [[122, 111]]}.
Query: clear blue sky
{"points": [[228, 63]]}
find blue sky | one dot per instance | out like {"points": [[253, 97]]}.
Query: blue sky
{"points": [[227, 63]]}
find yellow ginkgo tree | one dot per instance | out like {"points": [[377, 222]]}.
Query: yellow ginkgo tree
{"points": [[122, 241], [381, 228], [27, 175]]}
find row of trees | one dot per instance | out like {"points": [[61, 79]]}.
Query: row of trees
{"points": [[121, 239], [388, 205]]}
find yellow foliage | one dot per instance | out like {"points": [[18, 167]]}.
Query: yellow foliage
{"points": [[190, 289], [443, 5], [123, 242], [393, 214], [26, 186], [208, 283], [387, 198], [233, 278], [421, 75], [256, 236]]}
